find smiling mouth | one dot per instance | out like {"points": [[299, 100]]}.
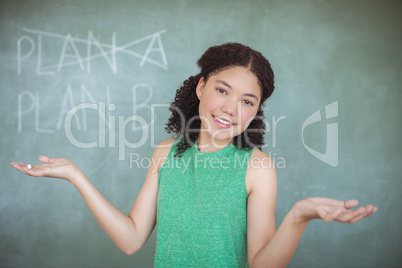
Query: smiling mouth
{"points": [[222, 121]]}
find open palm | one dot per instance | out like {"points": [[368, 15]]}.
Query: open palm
{"points": [[52, 167], [333, 210]]}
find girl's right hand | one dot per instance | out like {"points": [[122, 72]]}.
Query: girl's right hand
{"points": [[51, 167]]}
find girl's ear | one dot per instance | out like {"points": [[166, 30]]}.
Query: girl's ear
{"points": [[200, 87]]}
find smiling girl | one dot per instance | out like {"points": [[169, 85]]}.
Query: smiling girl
{"points": [[213, 197]]}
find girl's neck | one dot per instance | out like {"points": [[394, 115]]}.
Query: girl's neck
{"points": [[208, 145]]}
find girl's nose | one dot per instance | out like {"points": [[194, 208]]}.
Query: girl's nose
{"points": [[230, 107]]}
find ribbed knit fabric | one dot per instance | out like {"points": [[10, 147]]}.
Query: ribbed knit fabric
{"points": [[201, 214]]}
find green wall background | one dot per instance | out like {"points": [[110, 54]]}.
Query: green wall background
{"points": [[134, 54]]}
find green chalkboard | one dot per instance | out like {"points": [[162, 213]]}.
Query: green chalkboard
{"points": [[91, 81]]}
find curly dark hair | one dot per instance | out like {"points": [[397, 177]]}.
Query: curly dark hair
{"points": [[185, 120]]}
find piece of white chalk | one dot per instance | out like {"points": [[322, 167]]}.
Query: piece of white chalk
{"points": [[29, 166]]}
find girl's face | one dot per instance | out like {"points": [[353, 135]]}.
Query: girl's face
{"points": [[229, 101]]}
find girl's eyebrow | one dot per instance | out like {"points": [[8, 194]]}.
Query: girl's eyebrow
{"points": [[223, 82], [229, 86]]}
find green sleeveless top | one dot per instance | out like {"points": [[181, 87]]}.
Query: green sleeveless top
{"points": [[201, 211]]}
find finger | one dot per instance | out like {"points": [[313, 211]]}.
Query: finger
{"points": [[351, 203], [369, 210], [46, 159], [354, 220], [35, 171], [328, 201], [14, 165], [19, 166], [349, 215], [338, 203], [22, 167]]}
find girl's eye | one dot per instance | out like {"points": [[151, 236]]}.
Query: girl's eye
{"points": [[221, 90], [248, 102]]}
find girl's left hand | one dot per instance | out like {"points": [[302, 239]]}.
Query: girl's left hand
{"points": [[331, 210]]}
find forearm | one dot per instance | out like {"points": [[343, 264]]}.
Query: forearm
{"points": [[280, 249], [128, 232], [116, 224]]}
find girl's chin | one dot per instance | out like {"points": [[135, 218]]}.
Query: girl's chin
{"points": [[222, 136]]}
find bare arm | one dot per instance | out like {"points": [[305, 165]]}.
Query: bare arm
{"points": [[267, 248], [128, 232]]}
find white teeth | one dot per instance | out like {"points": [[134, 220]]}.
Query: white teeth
{"points": [[222, 121]]}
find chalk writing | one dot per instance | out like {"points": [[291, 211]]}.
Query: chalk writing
{"points": [[29, 107], [81, 52]]}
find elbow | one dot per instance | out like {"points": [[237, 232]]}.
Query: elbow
{"points": [[131, 249], [130, 252]]}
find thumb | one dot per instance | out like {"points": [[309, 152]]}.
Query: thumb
{"points": [[351, 203], [46, 159]]}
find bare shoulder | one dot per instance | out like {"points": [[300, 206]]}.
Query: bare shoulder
{"points": [[260, 171], [165, 145], [260, 162], [162, 151]]}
